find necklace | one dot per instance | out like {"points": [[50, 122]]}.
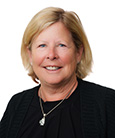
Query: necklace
{"points": [[42, 121]]}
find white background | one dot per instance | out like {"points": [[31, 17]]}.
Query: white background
{"points": [[98, 19]]}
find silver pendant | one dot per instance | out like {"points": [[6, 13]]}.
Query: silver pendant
{"points": [[42, 121]]}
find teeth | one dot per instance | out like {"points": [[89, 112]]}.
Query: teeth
{"points": [[52, 68]]}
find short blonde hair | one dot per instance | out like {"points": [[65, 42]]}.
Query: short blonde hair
{"points": [[44, 19]]}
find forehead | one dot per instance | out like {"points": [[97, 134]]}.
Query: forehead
{"points": [[56, 30]]}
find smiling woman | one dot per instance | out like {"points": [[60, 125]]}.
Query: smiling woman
{"points": [[56, 52], [72, 24]]}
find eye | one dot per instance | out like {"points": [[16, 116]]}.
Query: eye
{"points": [[42, 45], [62, 45]]}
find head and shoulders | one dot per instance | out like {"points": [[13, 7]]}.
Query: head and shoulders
{"points": [[55, 26], [56, 52]]}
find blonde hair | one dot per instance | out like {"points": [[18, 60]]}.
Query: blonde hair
{"points": [[47, 17]]}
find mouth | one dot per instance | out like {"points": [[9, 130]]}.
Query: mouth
{"points": [[52, 68]]}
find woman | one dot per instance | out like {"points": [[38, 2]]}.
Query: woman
{"points": [[57, 55]]}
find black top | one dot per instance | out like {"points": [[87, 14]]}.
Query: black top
{"points": [[63, 122], [97, 114]]}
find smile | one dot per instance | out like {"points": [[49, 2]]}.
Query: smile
{"points": [[52, 68]]}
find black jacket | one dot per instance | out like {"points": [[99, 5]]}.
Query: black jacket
{"points": [[97, 111]]}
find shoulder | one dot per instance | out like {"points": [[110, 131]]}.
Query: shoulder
{"points": [[96, 88], [19, 101], [16, 109], [25, 93], [24, 96], [99, 94], [98, 102]]}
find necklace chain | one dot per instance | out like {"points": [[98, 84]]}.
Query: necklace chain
{"points": [[42, 121]]}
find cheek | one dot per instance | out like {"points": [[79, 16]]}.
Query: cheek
{"points": [[37, 59], [69, 60]]}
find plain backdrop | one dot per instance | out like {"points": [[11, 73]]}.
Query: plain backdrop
{"points": [[98, 19]]}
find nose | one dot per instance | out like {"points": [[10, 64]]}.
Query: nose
{"points": [[52, 53]]}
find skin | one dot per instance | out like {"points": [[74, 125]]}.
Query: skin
{"points": [[54, 47]]}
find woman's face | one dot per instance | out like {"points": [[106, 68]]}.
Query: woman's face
{"points": [[54, 56]]}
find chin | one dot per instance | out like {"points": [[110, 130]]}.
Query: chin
{"points": [[54, 81]]}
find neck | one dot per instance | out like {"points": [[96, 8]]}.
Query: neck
{"points": [[57, 92]]}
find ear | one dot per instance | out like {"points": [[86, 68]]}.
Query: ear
{"points": [[79, 53], [29, 55]]}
